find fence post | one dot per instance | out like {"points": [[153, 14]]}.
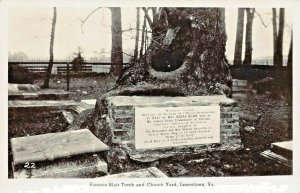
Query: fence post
{"points": [[68, 76]]}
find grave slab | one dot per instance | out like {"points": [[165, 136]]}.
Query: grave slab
{"points": [[90, 101], [82, 106], [76, 167], [240, 85], [22, 87], [55, 145], [38, 94], [42, 103], [268, 154], [158, 101], [151, 172], [284, 148], [68, 116]]}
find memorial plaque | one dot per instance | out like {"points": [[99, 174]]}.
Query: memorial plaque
{"points": [[176, 126]]}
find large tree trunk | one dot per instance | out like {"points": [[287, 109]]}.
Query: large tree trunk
{"points": [[50, 65], [278, 56], [239, 37], [290, 56], [186, 55], [274, 21], [137, 37], [147, 16], [290, 73], [116, 45], [154, 13], [249, 25], [143, 37]]}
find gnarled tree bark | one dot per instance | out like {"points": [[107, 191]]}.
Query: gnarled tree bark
{"points": [[186, 55]]}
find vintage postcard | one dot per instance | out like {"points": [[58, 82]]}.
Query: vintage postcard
{"points": [[147, 96]]}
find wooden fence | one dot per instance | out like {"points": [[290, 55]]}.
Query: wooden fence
{"points": [[40, 66], [258, 72]]}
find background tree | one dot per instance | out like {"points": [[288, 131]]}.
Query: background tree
{"points": [[136, 49], [274, 21], [239, 37], [290, 56], [290, 75], [116, 46], [17, 56], [143, 37], [248, 41], [50, 65], [154, 13], [78, 61], [278, 57], [147, 16]]}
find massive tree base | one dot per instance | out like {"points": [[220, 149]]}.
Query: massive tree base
{"points": [[186, 55]]}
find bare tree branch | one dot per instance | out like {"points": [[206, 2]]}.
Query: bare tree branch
{"points": [[262, 21], [132, 28], [116, 52], [147, 16], [83, 21], [128, 54], [154, 13]]}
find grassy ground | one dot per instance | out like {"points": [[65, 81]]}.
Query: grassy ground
{"points": [[93, 86], [275, 125]]}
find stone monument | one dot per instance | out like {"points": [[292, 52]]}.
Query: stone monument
{"points": [[172, 100]]}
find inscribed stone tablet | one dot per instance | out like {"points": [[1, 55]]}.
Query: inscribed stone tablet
{"points": [[176, 126]]}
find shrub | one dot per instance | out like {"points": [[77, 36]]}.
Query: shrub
{"points": [[78, 62], [20, 75]]}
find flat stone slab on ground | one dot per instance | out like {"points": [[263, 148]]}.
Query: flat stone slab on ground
{"points": [[55, 145], [78, 167], [277, 158], [240, 85], [238, 82], [151, 172], [284, 148], [22, 87], [41, 104], [83, 105], [170, 101], [36, 94], [52, 92], [90, 101]]}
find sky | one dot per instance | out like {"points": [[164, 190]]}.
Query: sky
{"points": [[29, 31]]}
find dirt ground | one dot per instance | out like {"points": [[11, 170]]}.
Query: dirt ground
{"points": [[275, 125]]}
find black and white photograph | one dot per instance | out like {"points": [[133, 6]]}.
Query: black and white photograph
{"points": [[105, 93]]}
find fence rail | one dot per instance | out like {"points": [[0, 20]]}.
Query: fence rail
{"points": [[58, 65], [64, 69], [256, 72]]}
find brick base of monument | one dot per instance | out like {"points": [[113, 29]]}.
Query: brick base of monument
{"points": [[121, 124]]}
